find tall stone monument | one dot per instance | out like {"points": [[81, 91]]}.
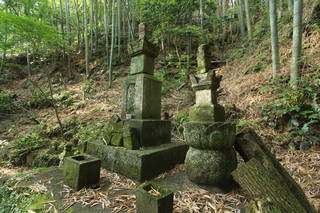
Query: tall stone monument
{"points": [[211, 157], [139, 144]]}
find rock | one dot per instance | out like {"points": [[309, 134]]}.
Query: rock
{"points": [[210, 166], [210, 135], [207, 112]]}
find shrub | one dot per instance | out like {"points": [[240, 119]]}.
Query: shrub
{"points": [[7, 102], [294, 110], [40, 99]]}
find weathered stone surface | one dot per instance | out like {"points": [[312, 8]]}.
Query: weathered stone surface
{"points": [[207, 112], [128, 94], [130, 137], [141, 97], [81, 171], [139, 165], [117, 139], [149, 203], [210, 135], [152, 132], [147, 97], [204, 97], [142, 64], [209, 166], [203, 59]]}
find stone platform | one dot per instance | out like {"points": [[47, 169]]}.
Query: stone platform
{"points": [[139, 165]]}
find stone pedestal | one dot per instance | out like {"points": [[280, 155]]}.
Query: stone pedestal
{"points": [[139, 165], [159, 202], [81, 171], [152, 132], [211, 157]]}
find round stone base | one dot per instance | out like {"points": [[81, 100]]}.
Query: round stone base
{"points": [[210, 167]]}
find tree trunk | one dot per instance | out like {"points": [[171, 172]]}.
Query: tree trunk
{"points": [[106, 27], [274, 38], [67, 8], [201, 13], [247, 10], [263, 177], [290, 5], [241, 18], [112, 43], [119, 26], [86, 36], [296, 42], [76, 6]]}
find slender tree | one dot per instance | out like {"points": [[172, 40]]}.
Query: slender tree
{"points": [[274, 38], [86, 36], [247, 10], [296, 42], [241, 18], [201, 13], [106, 27], [112, 43]]}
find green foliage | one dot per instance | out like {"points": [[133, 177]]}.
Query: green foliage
{"points": [[10, 200], [7, 102], [181, 118], [17, 31], [88, 133], [247, 124], [172, 17], [40, 99], [89, 86], [23, 145], [294, 110], [165, 85], [64, 98]]}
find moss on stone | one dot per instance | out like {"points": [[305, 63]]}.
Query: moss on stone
{"points": [[210, 135], [207, 112], [210, 167]]}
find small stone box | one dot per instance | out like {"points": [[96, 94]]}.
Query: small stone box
{"points": [[154, 198], [81, 171]]}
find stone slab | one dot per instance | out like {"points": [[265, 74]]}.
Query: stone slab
{"points": [[147, 97], [139, 165], [204, 97], [142, 64], [152, 132], [141, 97]]}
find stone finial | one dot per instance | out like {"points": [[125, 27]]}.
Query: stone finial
{"points": [[203, 59], [144, 33]]}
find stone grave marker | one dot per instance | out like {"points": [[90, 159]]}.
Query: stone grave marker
{"points": [[146, 138], [211, 157]]}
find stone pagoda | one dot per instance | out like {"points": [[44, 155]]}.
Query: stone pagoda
{"points": [[139, 144], [211, 157]]}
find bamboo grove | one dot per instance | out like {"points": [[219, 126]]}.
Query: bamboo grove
{"points": [[105, 27]]}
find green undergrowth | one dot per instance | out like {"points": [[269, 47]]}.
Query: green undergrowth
{"points": [[294, 112], [173, 73], [18, 198], [7, 102]]}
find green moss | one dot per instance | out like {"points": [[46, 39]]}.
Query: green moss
{"points": [[39, 202], [207, 112]]}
